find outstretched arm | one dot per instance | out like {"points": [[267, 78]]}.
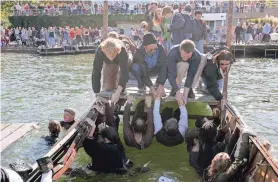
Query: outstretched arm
{"points": [[156, 116]]}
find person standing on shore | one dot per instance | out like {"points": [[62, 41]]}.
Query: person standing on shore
{"points": [[199, 34]]}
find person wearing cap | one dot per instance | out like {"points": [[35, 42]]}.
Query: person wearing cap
{"points": [[149, 15], [149, 60], [69, 115], [182, 59], [112, 57], [170, 131]]}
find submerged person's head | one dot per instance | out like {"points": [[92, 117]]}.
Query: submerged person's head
{"points": [[187, 47], [138, 125], [69, 115], [111, 47], [54, 127], [220, 163], [171, 126], [110, 135], [223, 59]]}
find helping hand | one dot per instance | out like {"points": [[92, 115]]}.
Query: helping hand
{"points": [[185, 95], [148, 101], [91, 122], [130, 99]]}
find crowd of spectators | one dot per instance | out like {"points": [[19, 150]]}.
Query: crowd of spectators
{"points": [[121, 7]]}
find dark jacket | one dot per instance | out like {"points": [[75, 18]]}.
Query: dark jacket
{"points": [[200, 31], [169, 141], [211, 75], [147, 136], [177, 28], [107, 157], [148, 17], [238, 30], [173, 58], [67, 125], [121, 59], [139, 57]]}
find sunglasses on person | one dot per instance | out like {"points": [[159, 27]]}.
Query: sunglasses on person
{"points": [[222, 64], [153, 50]]}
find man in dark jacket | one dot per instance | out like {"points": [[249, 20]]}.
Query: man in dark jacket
{"points": [[238, 31], [149, 60], [200, 32], [184, 58], [181, 27]]}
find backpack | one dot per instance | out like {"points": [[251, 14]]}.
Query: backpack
{"points": [[189, 25]]}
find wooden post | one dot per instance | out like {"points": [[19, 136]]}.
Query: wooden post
{"points": [[105, 19], [229, 43]]}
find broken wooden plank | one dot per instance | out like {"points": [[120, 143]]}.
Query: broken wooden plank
{"points": [[20, 132], [9, 130]]}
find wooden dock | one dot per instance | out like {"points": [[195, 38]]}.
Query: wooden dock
{"points": [[267, 50], [132, 89], [12, 132]]}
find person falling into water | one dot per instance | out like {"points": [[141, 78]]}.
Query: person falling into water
{"points": [[54, 130], [139, 133], [111, 56], [69, 120]]}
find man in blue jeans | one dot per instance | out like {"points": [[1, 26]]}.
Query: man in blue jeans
{"points": [[200, 32], [149, 61]]}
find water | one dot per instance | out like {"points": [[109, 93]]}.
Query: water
{"points": [[35, 89]]}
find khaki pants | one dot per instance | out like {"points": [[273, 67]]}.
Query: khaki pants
{"points": [[111, 76], [182, 69]]}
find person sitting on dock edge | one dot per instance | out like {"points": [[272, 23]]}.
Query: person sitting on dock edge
{"points": [[169, 130], [150, 61], [54, 128], [111, 56], [69, 116], [139, 133], [182, 59]]}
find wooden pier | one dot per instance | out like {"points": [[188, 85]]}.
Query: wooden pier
{"points": [[132, 89], [12, 132], [262, 50]]}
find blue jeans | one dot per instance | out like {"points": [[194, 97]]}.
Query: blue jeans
{"points": [[199, 45], [220, 85], [137, 74], [167, 45]]}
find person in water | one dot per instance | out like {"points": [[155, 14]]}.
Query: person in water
{"points": [[216, 68], [222, 169], [111, 56], [182, 59], [170, 130], [54, 128], [69, 120], [139, 133], [149, 61], [108, 156]]}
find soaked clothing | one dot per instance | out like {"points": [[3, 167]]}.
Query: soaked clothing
{"points": [[112, 69], [51, 139], [147, 136], [161, 134], [67, 125], [106, 157]]}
